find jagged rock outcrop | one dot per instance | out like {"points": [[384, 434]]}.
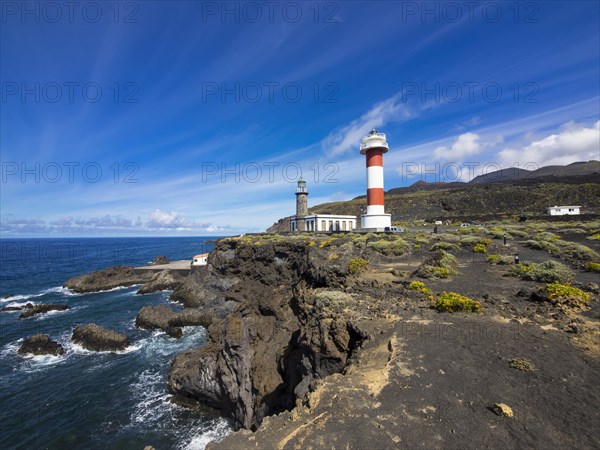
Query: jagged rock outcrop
{"points": [[273, 342], [166, 279], [30, 310], [96, 338], [41, 344], [157, 317], [192, 292], [106, 279]]}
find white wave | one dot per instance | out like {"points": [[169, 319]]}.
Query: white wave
{"points": [[18, 304], [53, 290], [79, 349], [12, 298], [10, 348], [161, 344], [151, 399], [60, 290], [216, 431], [45, 315]]}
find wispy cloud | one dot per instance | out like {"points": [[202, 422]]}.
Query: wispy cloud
{"points": [[347, 137]]}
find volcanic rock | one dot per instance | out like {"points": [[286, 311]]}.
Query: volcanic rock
{"points": [[166, 279], [160, 260], [32, 310], [96, 338], [41, 344], [106, 279]]}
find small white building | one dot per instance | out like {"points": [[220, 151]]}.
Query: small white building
{"points": [[200, 260], [324, 222], [564, 210]]}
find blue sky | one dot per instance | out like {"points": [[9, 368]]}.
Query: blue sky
{"points": [[195, 118]]}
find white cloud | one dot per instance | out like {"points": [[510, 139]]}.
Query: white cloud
{"points": [[348, 136], [574, 142], [466, 144], [160, 219]]}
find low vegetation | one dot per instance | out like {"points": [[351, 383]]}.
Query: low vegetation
{"points": [[593, 266], [447, 246], [501, 260], [480, 248], [357, 265], [565, 294], [563, 249], [453, 302], [522, 364], [441, 264], [546, 272], [395, 246], [419, 286]]}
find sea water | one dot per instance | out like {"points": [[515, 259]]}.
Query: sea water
{"points": [[89, 399]]}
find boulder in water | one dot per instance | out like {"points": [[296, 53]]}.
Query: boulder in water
{"points": [[41, 344], [31, 310], [96, 338]]}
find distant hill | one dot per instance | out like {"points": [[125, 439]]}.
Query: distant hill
{"points": [[502, 176], [577, 171], [505, 193]]}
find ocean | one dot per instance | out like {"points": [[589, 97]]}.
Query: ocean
{"points": [[83, 399]]}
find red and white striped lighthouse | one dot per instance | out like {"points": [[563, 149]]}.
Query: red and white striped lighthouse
{"points": [[374, 146]]}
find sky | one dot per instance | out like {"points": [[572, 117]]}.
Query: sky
{"points": [[151, 118]]}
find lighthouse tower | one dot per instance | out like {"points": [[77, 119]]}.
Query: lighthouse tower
{"points": [[374, 146], [301, 205]]}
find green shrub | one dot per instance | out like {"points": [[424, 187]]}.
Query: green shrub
{"points": [[392, 247], [453, 302], [439, 265], [564, 248], [445, 246], [480, 248], [594, 237], [565, 294], [419, 286], [357, 265], [502, 260], [593, 266], [546, 272]]}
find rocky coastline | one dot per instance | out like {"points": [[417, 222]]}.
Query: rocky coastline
{"points": [[333, 340]]}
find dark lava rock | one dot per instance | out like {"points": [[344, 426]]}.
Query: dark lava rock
{"points": [[154, 317], [32, 310], [106, 279], [41, 344], [174, 332], [192, 291], [164, 318], [160, 260], [273, 338], [166, 279], [96, 338], [191, 316], [11, 308]]}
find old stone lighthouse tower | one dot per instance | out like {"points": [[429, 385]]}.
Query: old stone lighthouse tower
{"points": [[301, 205]]}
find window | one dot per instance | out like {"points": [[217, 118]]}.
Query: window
{"points": [[344, 225], [337, 225], [351, 225], [331, 225], [323, 226]]}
